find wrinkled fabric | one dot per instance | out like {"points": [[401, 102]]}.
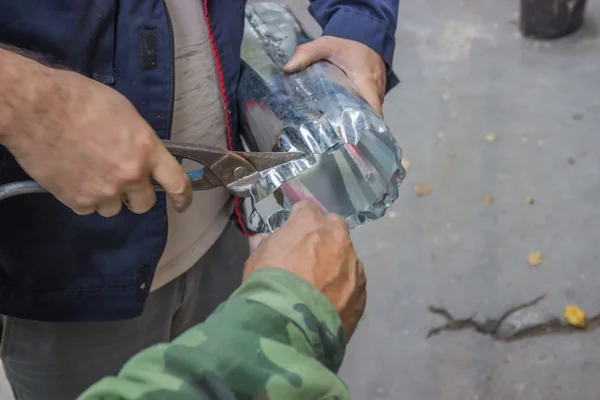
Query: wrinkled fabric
{"points": [[276, 337], [91, 268]]}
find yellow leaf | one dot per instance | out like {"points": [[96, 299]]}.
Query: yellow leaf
{"points": [[422, 190], [490, 138], [406, 164], [529, 200], [577, 116], [575, 316], [534, 258], [489, 199]]}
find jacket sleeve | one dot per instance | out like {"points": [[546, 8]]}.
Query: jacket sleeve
{"points": [[276, 337], [371, 22]]}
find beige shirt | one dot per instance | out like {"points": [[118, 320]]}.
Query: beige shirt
{"points": [[199, 117]]}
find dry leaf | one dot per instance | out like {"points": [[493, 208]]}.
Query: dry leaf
{"points": [[452, 156], [422, 190], [534, 258], [406, 164], [515, 18], [575, 316], [529, 200], [490, 138], [577, 116], [489, 199]]}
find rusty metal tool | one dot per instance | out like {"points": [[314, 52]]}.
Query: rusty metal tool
{"points": [[235, 170]]}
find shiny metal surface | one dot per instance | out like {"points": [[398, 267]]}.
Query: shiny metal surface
{"points": [[20, 188], [353, 164], [235, 170]]}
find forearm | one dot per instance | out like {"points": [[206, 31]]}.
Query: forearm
{"points": [[371, 22], [28, 91], [276, 336]]}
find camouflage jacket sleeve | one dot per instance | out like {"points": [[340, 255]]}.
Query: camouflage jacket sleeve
{"points": [[276, 337]]}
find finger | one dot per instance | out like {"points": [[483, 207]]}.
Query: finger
{"points": [[172, 178], [78, 207], [110, 208], [307, 54], [362, 277], [370, 92], [83, 210], [303, 215], [339, 221], [255, 241], [303, 208], [139, 197]]}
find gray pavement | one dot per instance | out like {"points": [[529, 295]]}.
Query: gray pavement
{"points": [[467, 73]]}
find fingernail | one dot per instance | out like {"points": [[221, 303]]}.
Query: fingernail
{"points": [[182, 205], [291, 65]]}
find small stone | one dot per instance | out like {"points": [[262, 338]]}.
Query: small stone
{"points": [[406, 164], [529, 200], [489, 199], [422, 190], [571, 160], [577, 116], [490, 138], [452, 156], [534, 258], [575, 316]]}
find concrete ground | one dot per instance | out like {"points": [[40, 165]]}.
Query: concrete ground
{"points": [[466, 74]]}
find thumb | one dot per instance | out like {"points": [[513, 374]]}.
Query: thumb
{"points": [[370, 93], [255, 241], [305, 55]]}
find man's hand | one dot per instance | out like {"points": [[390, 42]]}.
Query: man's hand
{"points": [[362, 65], [318, 248], [82, 141]]}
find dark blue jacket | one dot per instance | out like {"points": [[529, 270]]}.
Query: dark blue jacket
{"points": [[58, 266]]}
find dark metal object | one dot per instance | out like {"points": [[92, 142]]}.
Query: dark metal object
{"points": [[236, 171], [551, 19]]}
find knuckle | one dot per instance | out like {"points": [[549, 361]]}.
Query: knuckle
{"points": [[108, 213], [83, 201], [141, 209], [180, 186], [308, 210], [110, 191], [83, 211], [339, 229], [338, 221], [131, 172], [316, 236], [139, 204], [302, 50], [304, 204], [146, 143]]}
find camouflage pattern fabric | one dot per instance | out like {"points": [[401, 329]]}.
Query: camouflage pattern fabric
{"points": [[277, 337]]}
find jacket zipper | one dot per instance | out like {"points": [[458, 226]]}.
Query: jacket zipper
{"points": [[237, 207]]}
